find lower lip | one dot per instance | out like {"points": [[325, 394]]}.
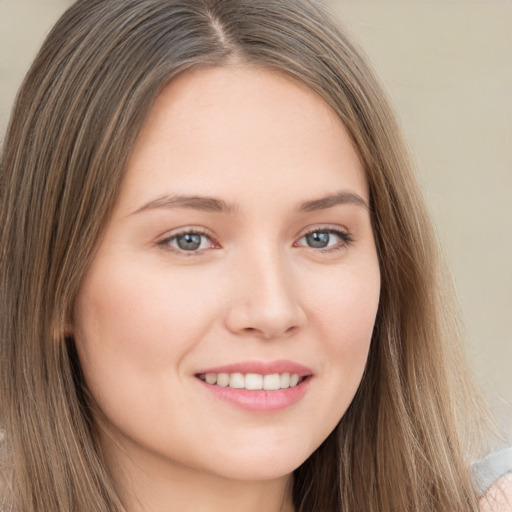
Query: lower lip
{"points": [[259, 400]]}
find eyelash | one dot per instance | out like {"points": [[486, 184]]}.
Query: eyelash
{"points": [[345, 237], [165, 244]]}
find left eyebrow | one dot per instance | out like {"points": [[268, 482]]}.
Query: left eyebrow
{"points": [[333, 200]]}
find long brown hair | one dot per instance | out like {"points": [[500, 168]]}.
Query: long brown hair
{"points": [[406, 440]]}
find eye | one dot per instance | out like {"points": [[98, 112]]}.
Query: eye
{"points": [[327, 239], [187, 242]]}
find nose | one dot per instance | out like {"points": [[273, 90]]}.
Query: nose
{"points": [[266, 301]]}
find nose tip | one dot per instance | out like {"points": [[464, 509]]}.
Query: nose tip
{"points": [[247, 319], [266, 305]]}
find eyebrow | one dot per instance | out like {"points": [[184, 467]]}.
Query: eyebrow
{"points": [[333, 200], [212, 204], [205, 204]]}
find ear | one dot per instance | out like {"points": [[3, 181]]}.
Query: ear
{"points": [[68, 330], [62, 329]]}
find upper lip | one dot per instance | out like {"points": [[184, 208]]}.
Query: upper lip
{"points": [[261, 367]]}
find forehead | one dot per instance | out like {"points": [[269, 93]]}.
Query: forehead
{"points": [[220, 128]]}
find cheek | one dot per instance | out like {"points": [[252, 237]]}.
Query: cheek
{"points": [[133, 334], [133, 331], [133, 311], [346, 309]]}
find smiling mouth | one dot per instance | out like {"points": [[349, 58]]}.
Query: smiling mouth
{"points": [[253, 381]]}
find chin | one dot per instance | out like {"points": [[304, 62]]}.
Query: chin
{"points": [[263, 465], [256, 472]]}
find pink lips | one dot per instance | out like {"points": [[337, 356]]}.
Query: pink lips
{"points": [[260, 400], [262, 367]]}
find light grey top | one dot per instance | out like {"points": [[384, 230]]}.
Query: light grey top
{"points": [[487, 471]]}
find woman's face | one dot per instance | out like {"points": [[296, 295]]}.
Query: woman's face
{"points": [[240, 253]]}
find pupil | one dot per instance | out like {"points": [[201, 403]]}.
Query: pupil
{"points": [[318, 239], [189, 242]]}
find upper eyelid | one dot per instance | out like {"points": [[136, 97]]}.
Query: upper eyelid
{"points": [[184, 231], [324, 227], [342, 233], [329, 228]]}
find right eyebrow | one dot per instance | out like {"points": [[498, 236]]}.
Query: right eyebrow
{"points": [[203, 203]]}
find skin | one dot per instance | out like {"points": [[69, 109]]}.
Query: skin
{"points": [[149, 316], [499, 497]]}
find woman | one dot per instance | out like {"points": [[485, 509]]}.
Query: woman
{"points": [[220, 286]]}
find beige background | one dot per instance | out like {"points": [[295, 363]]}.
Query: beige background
{"points": [[448, 68]]}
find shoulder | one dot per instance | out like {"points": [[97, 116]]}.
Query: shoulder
{"points": [[493, 476], [498, 497]]}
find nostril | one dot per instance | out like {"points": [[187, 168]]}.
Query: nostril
{"points": [[291, 329], [258, 332], [270, 334]]}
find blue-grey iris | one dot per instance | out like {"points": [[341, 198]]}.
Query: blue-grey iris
{"points": [[318, 239], [189, 242]]}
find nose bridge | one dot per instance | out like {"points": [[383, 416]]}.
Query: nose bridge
{"points": [[272, 282], [267, 301]]}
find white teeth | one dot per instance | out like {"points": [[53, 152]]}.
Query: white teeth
{"points": [[285, 380], [252, 381], [272, 382], [211, 378], [223, 379], [236, 380]]}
